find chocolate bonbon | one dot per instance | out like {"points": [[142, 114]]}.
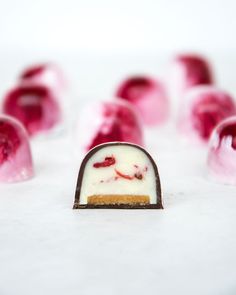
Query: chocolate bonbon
{"points": [[15, 154], [222, 152], [186, 71], [108, 121], [203, 108], [35, 106], [47, 74], [118, 175], [148, 96]]}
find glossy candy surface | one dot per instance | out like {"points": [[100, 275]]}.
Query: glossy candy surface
{"points": [[203, 108], [35, 106], [47, 74], [148, 96], [108, 121], [186, 71], [15, 154], [222, 152]]}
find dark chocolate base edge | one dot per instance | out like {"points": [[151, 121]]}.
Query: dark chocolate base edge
{"points": [[77, 205], [121, 206]]}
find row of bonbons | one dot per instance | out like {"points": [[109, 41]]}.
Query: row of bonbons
{"points": [[140, 101]]}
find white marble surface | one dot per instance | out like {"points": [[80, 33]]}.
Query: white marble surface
{"points": [[187, 248]]}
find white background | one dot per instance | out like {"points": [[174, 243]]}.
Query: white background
{"points": [[114, 26], [92, 37]]}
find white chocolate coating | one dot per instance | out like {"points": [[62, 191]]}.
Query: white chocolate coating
{"points": [[129, 161]]}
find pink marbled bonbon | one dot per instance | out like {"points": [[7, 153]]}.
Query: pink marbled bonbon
{"points": [[203, 108], [35, 106], [148, 96], [106, 122], [15, 154], [186, 71], [222, 152], [47, 74]]}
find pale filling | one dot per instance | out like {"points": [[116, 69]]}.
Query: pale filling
{"points": [[131, 179]]}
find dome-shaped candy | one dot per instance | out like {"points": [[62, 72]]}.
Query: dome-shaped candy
{"points": [[34, 105], [222, 152], [203, 108], [15, 154], [47, 74], [118, 175], [108, 121], [186, 71], [148, 96]]}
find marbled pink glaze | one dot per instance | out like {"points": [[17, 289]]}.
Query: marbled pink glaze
{"points": [[15, 154], [34, 105], [222, 152], [203, 108], [106, 122], [47, 74], [186, 71], [148, 96]]}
